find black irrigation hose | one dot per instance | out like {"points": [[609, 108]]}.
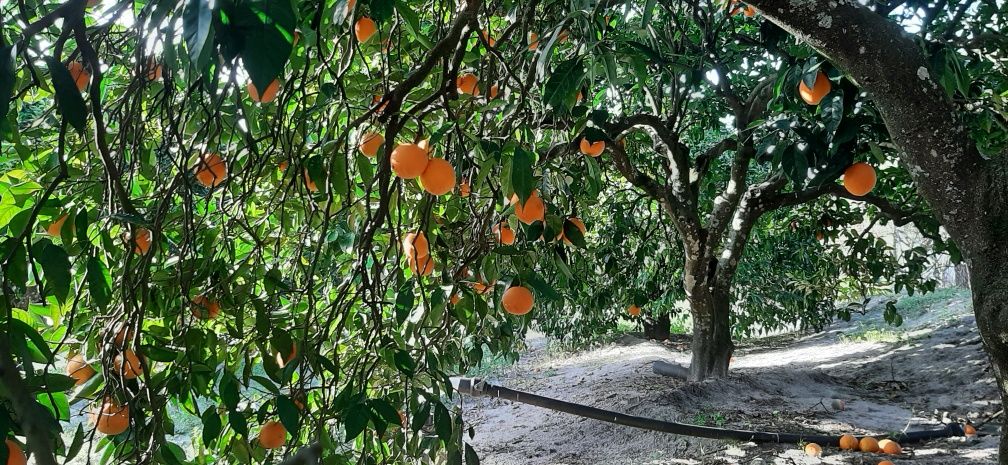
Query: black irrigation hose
{"points": [[479, 387]]}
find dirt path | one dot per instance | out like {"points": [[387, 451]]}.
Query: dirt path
{"points": [[932, 369]]}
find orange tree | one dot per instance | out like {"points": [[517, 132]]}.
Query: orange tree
{"points": [[214, 205]]}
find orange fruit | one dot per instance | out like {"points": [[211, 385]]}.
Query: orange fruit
{"points": [[272, 435], [579, 97], [533, 210], [464, 189], [592, 149], [813, 450], [128, 364], [633, 310], [142, 241], [409, 161], [454, 299], [820, 236], [482, 288], [577, 223], [15, 456], [969, 431], [80, 75], [421, 266], [439, 177], [205, 308], [819, 90], [868, 444], [415, 245], [494, 90], [489, 40], [111, 418], [211, 170], [350, 5], [282, 166], [888, 446], [848, 442], [533, 41], [564, 34], [505, 235], [364, 29], [375, 101], [859, 179], [56, 227], [886, 462], [371, 143], [268, 96], [79, 369], [282, 361], [467, 84], [309, 184], [153, 69], [517, 300]]}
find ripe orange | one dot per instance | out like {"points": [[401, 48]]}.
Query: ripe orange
{"points": [[505, 235], [467, 83], [454, 299], [282, 166], [819, 90], [282, 361], [888, 446], [56, 227], [80, 75], [309, 184], [848, 442], [205, 308], [820, 236], [970, 431], [415, 245], [439, 177], [153, 69], [422, 266], [350, 5], [533, 41], [748, 11], [371, 143], [111, 418], [592, 149], [886, 462], [579, 97], [464, 189], [517, 300], [375, 101], [128, 364], [577, 223], [494, 90], [633, 310], [272, 435], [79, 369], [482, 288], [142, 241], [489, 40], [533, 210], [15, 456], [813, 450], [409, 161], [211, 170], [364, 29], [859, 179], [564, 35], [268, 96], [868, 444]]}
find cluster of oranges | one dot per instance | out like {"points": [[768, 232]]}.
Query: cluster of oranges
{"points": [[412, 161], [866, 444]]}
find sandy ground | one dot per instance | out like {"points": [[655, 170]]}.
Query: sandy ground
{"points": [[934, 370]]}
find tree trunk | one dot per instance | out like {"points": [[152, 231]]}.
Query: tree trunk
{"points": [[962, 277], [712, 345], [989, 277], [658, 328]]}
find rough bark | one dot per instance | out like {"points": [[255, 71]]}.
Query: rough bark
{"points": [[712, 344], [989, 279]]}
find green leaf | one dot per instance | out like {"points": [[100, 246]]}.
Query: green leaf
{"points": [[420, 416], [442, 422], [404, 363], [212, 425], [522, 178], [56, 402], [381, 10], [16, 268], [55, 265], [17, 326], [238, 423], [290, 415], [68, 99], [543, 288], [384, 410], [355, 420], [197, 20], [832, 112], [560, 90], [412, 23], [228, 390], [99, 282], [265, 26], [573, 234], [470, 455], [50, 382]]}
